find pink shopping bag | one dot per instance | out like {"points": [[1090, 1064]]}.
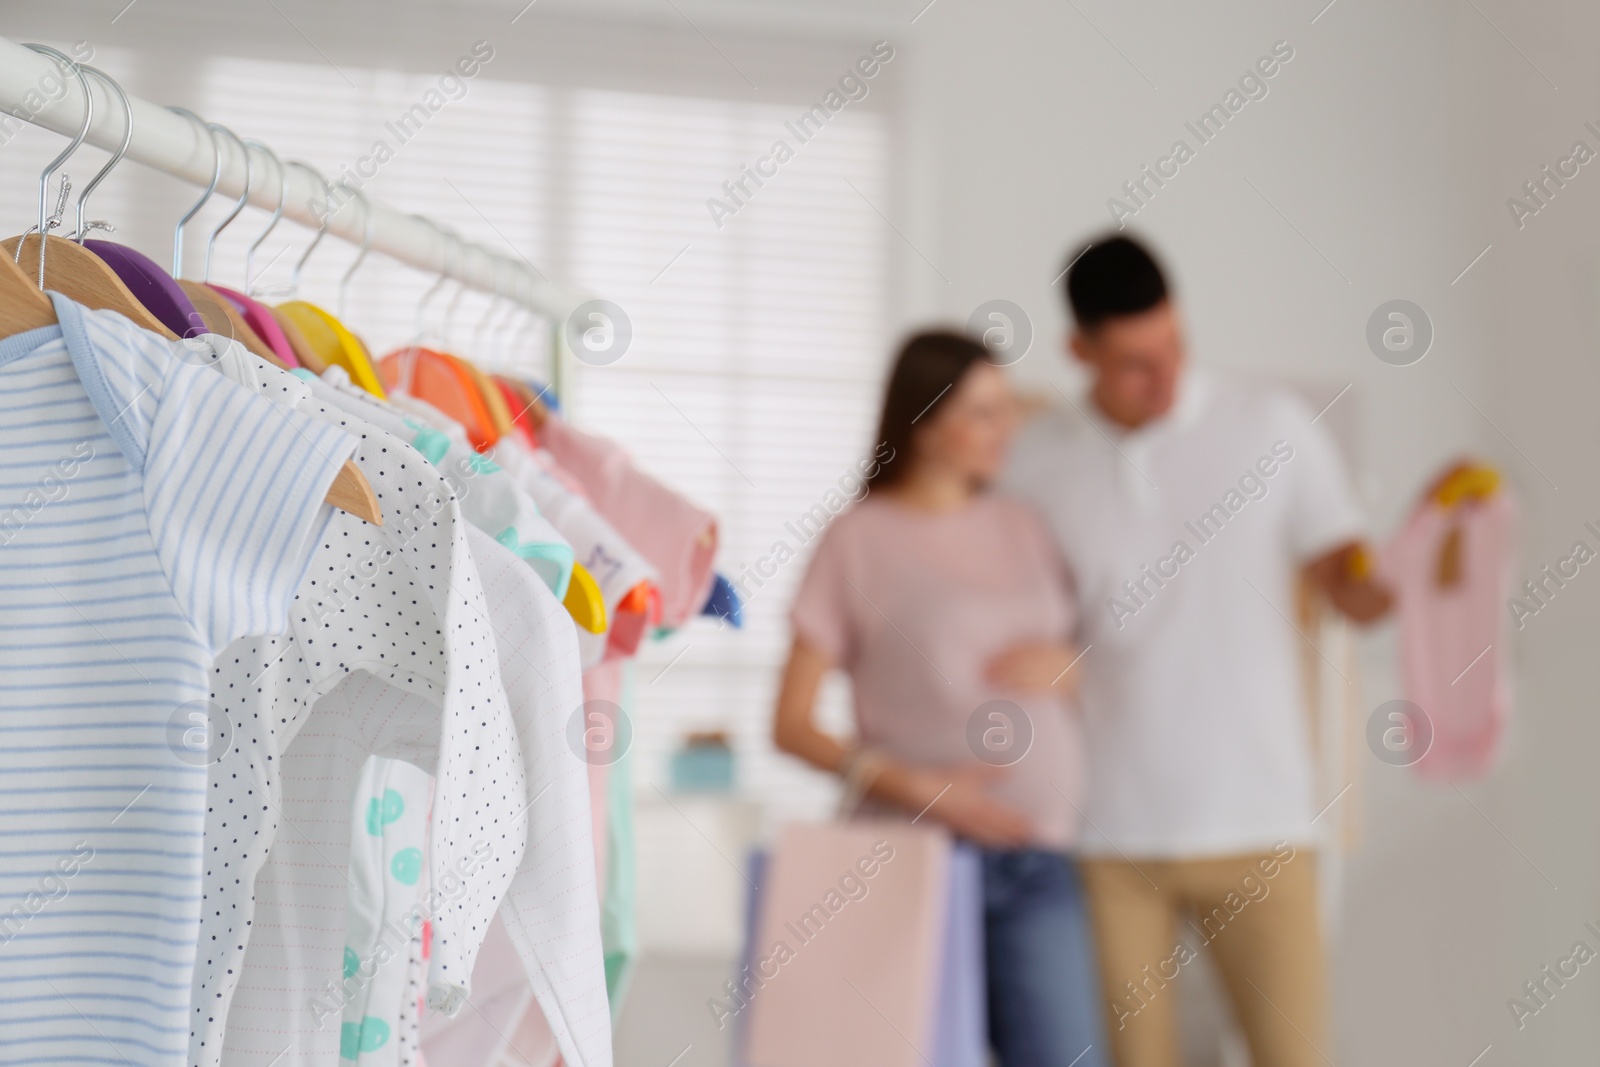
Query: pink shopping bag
{"points": [[845, 966]]}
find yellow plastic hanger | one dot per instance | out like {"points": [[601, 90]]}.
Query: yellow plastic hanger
{"points": [[304, 352], [584, 602], [1467, 481], [350, 491], [353, 355], [334, 344]]}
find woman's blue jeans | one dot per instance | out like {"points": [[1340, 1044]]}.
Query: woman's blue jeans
{"points": [[1044, 990]]}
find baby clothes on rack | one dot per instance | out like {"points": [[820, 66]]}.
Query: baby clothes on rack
{"points": [[677, 536], [551, 913], [478, 828], [414, 1004], [386, 906], [490, 499], [554, 893], [424, 671], [616, 565], [195, 510], [265, 687], [350, 617], [679, 540], [550, 909]]}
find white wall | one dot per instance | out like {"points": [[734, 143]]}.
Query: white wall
{"points": [[1388, 144]]}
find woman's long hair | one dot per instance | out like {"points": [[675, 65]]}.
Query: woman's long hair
{"points": [[926, 372]]}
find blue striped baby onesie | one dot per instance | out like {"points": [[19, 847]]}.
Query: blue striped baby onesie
{"points": [[150, 513]]}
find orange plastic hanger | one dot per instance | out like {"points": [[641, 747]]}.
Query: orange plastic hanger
{"points": [[643, 599], [499, 412], [521, 402], [441, 381]]}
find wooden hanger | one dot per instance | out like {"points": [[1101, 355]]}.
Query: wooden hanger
{"points": [[222, 317], [352, 492], [69, 268], [23, 305], [308, 356], [521, 421], [76, 272], [215, 309], [534, 405]]}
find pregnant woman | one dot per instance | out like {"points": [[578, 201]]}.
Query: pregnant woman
{"points": [[944, 603]]}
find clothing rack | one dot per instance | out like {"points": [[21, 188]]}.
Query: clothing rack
{"points": [[176, 145]]}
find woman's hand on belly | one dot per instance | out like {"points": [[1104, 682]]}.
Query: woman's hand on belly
{"points": [[1036, 667], [957, 798]]}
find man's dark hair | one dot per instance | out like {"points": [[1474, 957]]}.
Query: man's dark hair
{"points": [[1114, 276]]}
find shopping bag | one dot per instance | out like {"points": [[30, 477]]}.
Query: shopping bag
{"points": [[866, 949], [962, 1017]]}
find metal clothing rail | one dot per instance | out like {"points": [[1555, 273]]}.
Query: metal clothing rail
{"points": [[177, 146]]}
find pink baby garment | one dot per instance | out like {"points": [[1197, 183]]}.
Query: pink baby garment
{"points": [[677, 536], [1450, 567]]}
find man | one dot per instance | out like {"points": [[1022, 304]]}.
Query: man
{"points": [[1187, 510]]}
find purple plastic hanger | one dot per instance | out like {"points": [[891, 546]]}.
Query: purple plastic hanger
{"points": [[153, 287]]}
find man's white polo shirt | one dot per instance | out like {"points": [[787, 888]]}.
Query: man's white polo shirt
{"points": [[1184, 538]]}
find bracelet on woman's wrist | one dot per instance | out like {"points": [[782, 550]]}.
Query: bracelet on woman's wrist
{"points": [[858, 769]]}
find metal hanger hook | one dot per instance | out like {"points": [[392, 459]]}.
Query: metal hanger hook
{"points": [[520, 293], [452, 240], [366, 244], [244, 197], [80, 227], [495, 263], [277, 213], [216, 174], [322, 222], [506, 331], [66, 153], [461, 288]]}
